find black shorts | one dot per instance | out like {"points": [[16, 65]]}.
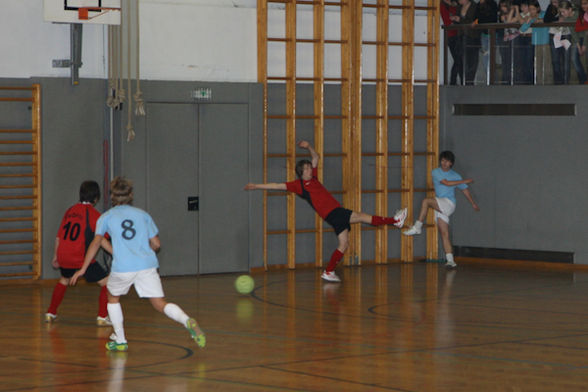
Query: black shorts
{"points": [[339, 219], [94, 273]]}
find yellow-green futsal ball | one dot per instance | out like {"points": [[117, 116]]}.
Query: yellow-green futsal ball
{"points": [[244, 284]]}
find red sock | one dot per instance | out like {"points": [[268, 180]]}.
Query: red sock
{"points": [[57, 297], [335, 258], [380, 220], [102, 303]]}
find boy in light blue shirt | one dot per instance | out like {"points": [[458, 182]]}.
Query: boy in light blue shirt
{"points": [[445, 180], [131, 230], [134, 243]]}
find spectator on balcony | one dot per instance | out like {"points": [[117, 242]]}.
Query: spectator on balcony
{"points": [[523, 53], [582, 27], [540, 41], [568, 13], [560, 57], [449, 11], [508, 14], [487, 12], [469, 39]]}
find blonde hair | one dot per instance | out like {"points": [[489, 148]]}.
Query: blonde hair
{"points": [[121, 191]]}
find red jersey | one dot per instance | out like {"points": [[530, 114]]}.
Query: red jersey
{"points": [[582, 23], [446, 13], [316, 194], [75, 234]]}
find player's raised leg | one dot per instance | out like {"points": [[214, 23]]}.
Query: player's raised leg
{"points": [[374, 220], [176, 313], [416, 228]]}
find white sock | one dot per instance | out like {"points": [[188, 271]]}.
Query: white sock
{"points": [[116, 318], [449, 257], [175, 313], [418, 224]]}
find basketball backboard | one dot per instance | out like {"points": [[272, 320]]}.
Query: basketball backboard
{"points": [[82, 11]]}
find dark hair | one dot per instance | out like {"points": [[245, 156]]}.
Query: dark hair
{"points": [[447, 155], [507, 4], [89, 191], [566, 5], [121, 191], [535, 3], [300, 166]]}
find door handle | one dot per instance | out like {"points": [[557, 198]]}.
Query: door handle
{"points": [[193, 203]]}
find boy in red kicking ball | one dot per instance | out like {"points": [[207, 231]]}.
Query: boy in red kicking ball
{"points": [[309, 188], [76, 231]]}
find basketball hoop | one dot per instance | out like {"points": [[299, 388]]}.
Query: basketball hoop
{"points": [[84, 12]]}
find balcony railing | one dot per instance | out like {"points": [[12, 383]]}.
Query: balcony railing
{"points": [[502, 54]]}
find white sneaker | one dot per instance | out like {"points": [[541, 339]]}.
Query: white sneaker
{"points": [[50, 317], [330, 276], [450, 264], [400, 217], [412, 231], [103, 321]]}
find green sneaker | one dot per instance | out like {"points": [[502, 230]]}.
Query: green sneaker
{"points": [[114, 346], [199, 338]]}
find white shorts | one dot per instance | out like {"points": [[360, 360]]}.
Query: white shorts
{"points": [[147, 283], [447, 208]]}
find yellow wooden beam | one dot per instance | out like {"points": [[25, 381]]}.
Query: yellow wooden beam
{"points": [[433, 34], [37, 233], [346, 107], [291, 125], [355, 126], [262, 78], [319, 112], [406, 248], [381, 245]]}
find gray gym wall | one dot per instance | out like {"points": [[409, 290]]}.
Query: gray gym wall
{"points": [[72, 132], [75, 123], [529, 171]]}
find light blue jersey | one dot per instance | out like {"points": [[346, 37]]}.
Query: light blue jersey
{"points": [[130, 229], [444, 190]]}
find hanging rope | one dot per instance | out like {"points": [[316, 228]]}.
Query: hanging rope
{"points": [[139, 103], [120, 91], [130, 130], [111, 80]]}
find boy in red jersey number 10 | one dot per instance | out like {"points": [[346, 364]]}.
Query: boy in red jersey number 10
{"points": [[309, 188], [75, 233]]}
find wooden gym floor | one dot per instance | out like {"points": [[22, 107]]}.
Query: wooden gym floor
{"points": [[385, 328]]}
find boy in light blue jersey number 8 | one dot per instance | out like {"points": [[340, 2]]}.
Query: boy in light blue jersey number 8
{"points": [[134, 243], [445, 180]]}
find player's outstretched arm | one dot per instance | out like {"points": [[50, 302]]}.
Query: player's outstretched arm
{"points": [[90, 254], [313, 154], [468, 196], [275, 186], [455, 183]]}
